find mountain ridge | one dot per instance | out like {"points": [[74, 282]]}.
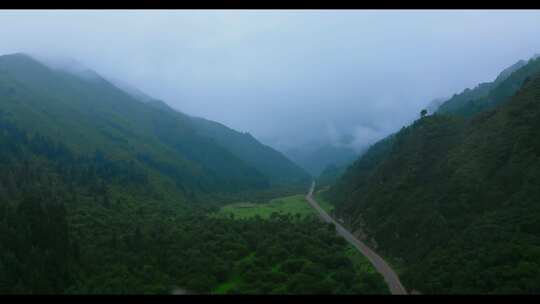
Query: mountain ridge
{"points": [[96, 115], [453, 199]]}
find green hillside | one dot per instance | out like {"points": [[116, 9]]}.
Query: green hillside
{"points": [[273, 164], [268, 161], [102, 193], [454, 201], [91, 114], [72, 224], [490, 94]]}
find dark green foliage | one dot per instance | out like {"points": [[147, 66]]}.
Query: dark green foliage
{"points": [[454, 201], [285, 255], [330, 174], [72, 223], [36, 250], [199, 253]]}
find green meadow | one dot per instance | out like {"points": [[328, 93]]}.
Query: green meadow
{"points": [[295, 204]]}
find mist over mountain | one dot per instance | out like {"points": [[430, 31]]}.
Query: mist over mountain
{"points": [[434, 105], [269, 152], [488, 94], [106, 118], [315, 159], [283, 76]]}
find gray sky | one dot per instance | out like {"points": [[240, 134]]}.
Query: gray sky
{"points": [[287, 77]]}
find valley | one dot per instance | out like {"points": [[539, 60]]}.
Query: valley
{"points": [[206, 209], [391, 278], [299, 152], [106, 213]]}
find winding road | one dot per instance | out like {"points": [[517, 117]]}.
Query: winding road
{"points": [[391, 278]]}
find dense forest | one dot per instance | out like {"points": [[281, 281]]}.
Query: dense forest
{"points": [[452, 199], [101, 193], [75, 224], [107, 190]]}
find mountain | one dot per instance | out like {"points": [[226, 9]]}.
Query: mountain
{"points": [[453, 199], [509, 70], [434, 105], [330, 174], [90, 115], [132, 91], [266, 160], [315, 158], [489, 94]]}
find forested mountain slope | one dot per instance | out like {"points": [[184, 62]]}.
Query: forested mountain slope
{"points": [[55, 208], [270, 162], [273, 164], [89, 114], [102, 193], [455, 200], [90, 225], [488, 95]]}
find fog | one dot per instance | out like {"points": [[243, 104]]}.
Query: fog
{"points": [[287, 77]]}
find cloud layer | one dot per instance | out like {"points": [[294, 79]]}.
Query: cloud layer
{"points": [[285, 76]]}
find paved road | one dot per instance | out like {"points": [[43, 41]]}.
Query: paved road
{"points": [[391, 278]]}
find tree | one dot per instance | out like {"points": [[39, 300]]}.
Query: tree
{"points": [[423, 113], [331, 227]]}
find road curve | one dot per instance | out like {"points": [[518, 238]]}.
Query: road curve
{"points": [[391, 278]]}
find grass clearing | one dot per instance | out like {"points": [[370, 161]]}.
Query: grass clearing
{"points": [[293, 205]]}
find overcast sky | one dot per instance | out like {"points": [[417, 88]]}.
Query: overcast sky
{"points": [[287, 77]]}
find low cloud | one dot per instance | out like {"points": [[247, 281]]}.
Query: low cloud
{"points": [[365, 136], [283, 75]]}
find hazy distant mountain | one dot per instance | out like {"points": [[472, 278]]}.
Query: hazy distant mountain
{"points": [[489, 94], [270, 162], [134, 92], [509, 70], [330, 175], [70, 65], [434, 105], [315, 159]]}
